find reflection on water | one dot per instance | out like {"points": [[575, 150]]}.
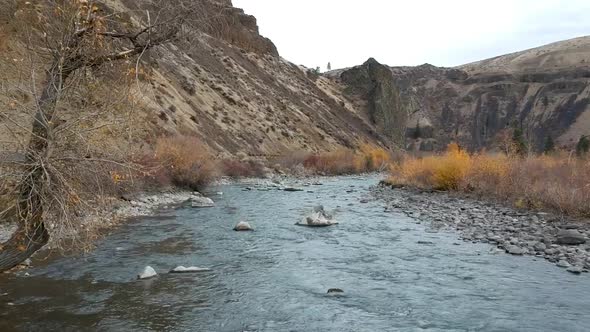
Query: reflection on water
{"points": [[395, 276]]}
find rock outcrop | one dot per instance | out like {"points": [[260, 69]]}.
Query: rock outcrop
{"points": [[373, 82], [544, 92]]}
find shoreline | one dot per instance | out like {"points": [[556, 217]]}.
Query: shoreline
{"points": [[531, 233]]}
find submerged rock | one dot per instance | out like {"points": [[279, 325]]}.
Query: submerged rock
{"points": [[335, 291], [292, 189], [191, 269], [147, 273], [575, 269], [243, 226], [201, 202]]}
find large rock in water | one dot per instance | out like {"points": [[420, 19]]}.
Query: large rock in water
{"points": [[201, 202], [243, 226], [570, 237], [318, 218], [147, 273]]}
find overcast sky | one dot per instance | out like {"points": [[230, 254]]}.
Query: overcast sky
{"points": [[413, 32]]}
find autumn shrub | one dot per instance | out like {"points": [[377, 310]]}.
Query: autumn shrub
{"points": [[555, 182], [242, 168], [487, 173], [371, 158], [561, 184], [339, 162], [444, 172], [186, 161]]}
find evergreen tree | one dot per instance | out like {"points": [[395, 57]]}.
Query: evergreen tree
{"points": [[519, 141], [583, 146], [329, 66], [418, 131], [549, 145]]}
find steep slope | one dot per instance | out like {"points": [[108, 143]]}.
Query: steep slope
{"points": [[231, 88], [545, 92], [228, 86]]}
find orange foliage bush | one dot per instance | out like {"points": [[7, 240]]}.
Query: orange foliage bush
{"points": [[554, 182], [347, 161], [186, 161], [236, 168]]}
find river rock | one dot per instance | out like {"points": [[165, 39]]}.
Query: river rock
{"points": [[243, 226], [318, 218], [515, 250], [147, 273], [201, 202], [570, 237], [575, 269], [539, 246], [563, 263], [191, 269]]}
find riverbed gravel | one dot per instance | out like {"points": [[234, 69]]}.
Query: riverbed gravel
{"points": [[558, 239]]}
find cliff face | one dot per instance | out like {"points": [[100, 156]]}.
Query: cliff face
{"points": [[374, 83], [545, 92]]}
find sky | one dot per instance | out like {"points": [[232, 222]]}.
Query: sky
{"points": [[413, 32]]}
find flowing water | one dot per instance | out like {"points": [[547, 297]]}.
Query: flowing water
{"points": [[396, 274]]}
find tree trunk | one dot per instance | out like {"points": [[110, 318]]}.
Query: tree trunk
{"points": [[32, 234]]}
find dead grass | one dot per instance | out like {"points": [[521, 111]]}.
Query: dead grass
{"points": [[559, 183]]}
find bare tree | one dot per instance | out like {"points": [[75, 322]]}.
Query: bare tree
{"points": [[76, 42]]}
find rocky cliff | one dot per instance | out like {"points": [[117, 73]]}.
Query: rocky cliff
{"points": [[544, 92]]}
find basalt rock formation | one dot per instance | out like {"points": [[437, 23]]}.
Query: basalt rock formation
{"points": [[544, 92]]}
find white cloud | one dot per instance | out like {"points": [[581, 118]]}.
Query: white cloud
{"points": [[443, 33]]}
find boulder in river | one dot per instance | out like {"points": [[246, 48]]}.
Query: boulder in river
{"points": [[318, 218], [243, 226], [570, 237], [191, 269], [147, 273], [201, 202]]}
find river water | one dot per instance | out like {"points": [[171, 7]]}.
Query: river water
{"points": [[397, 275]]}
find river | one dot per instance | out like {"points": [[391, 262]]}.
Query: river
{"points": [[396, 274]]}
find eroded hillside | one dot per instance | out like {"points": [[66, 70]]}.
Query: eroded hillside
{"points": [[225, 84]]}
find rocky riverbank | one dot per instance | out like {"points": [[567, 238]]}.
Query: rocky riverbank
{"points": [[559, 240], [118, 210]]}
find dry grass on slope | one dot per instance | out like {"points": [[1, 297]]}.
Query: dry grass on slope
{"points": [[554, 182]]}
